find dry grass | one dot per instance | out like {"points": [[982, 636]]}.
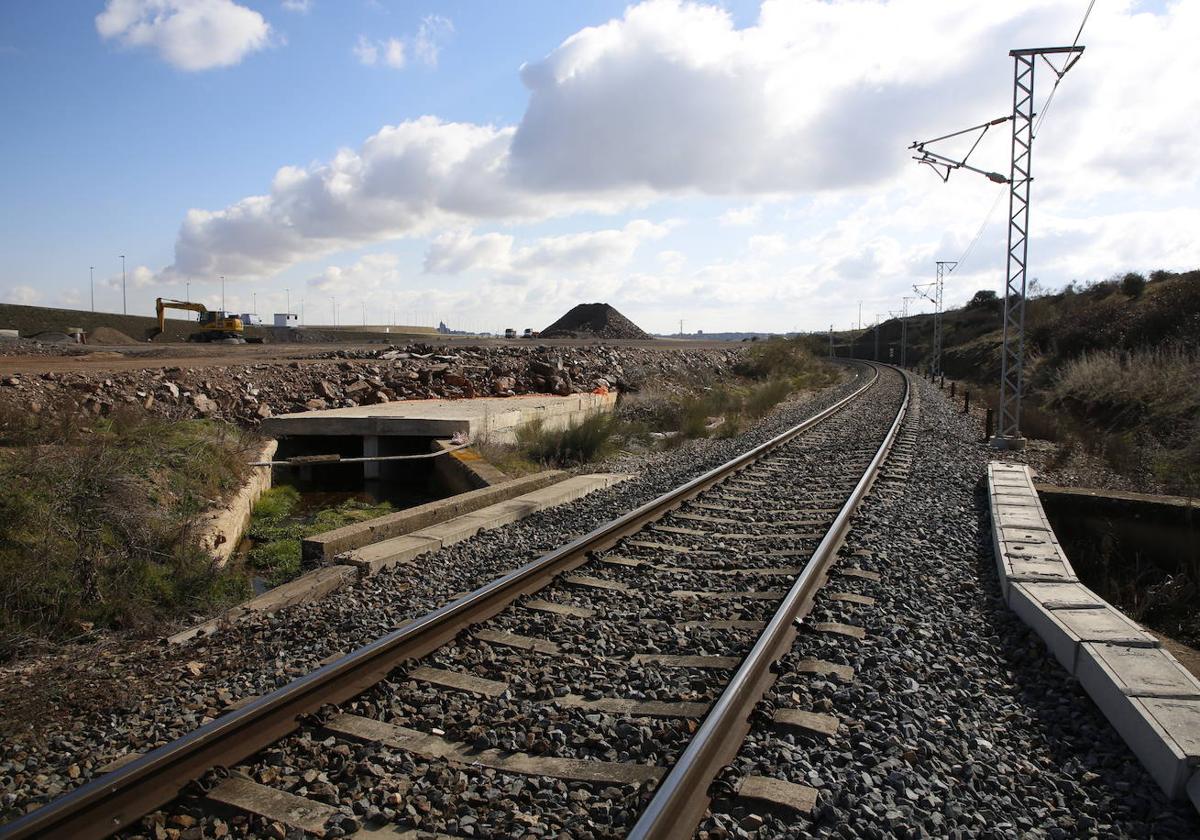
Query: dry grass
{"points": [[1145, 405], [1124, 389]]}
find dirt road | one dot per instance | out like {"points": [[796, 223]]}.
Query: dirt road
{"points": [[99, 359]]}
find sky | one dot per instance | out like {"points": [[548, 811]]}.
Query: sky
{"points": [[737, 165]]}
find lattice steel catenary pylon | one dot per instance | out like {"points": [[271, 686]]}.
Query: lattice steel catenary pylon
{"points": [[903, 316], [935, 363], [1008, 419]]}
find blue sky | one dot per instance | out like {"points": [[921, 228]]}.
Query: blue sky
{"points": [[737, 166]]}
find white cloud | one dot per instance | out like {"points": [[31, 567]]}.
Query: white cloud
{"points": [[138, 277], [813, 99], [302, 7], [431, 34], [366, 50], [23, 295], [425, 46], [766, 245], [672, 262], [187, 34], [741, 216], [370, 53], [579, 253]]}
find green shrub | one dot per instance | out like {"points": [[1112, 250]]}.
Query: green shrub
{"points": [[276, 503], [578, 443], [779, 357], [763, 398], [984, 299], [1133, 284]]}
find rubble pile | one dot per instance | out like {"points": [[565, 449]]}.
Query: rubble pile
{"points": [[247, 394], [594, 320]]}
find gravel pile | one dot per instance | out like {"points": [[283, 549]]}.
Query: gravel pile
{"points": [[61, 726], [957, 723], [594, 320]]}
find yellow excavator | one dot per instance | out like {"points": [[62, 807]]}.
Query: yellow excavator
{"points": [[215, 325]]}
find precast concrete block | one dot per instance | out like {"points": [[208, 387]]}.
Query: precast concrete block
{"points": [[1065, 629], [373, 558], [1153, 702]]}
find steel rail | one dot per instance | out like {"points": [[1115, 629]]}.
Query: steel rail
{"points": [[680, 802], [117, 799]]}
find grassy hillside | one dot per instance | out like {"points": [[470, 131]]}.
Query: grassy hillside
{"points": [[1112, 365]]}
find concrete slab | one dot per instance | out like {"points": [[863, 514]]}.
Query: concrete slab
{"points": [[373, 559], [492, 418], [307, 815], [1163, 734], [1004, 496], [1026, 534], [1065, 629], [324, 547], [778, 792], [1149, 698], [1134, 672], [370, 559], [463, 755], [634, 708], [466, 526], [458, 681], [310, 586], [809, 723], [1063, 595]]}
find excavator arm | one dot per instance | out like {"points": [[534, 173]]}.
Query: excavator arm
{"points": [[161, 305]]}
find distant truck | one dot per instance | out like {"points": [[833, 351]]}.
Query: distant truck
{"points": [[287, 319], [510, 333], [250, 319], [530, 333]]}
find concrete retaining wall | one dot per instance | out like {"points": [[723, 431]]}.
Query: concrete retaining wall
{"points": [[222, 529], [1149, 698], [463, 470]]}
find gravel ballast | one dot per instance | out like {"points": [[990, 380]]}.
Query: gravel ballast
{"points": [[480, 695], [62, 728], [958, 723]]}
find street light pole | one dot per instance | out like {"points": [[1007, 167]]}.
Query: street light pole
{"points": [[187, 290], [92, 284], [222, 292], [124, 300]]}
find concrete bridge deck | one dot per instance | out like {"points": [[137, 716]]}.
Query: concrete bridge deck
{"points": [[493, 418]]}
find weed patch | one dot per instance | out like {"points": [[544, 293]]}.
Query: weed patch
{"points": [[278, 524], [592, 438], [96, 517]]}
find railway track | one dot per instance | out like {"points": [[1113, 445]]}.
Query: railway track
{"points": [[607, 683]]}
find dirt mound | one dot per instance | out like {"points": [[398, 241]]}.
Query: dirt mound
{"points": [[52, 337], [594, 320], [107, 335]]}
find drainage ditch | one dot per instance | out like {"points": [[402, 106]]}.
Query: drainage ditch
{"points": [[1140, 553]]}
